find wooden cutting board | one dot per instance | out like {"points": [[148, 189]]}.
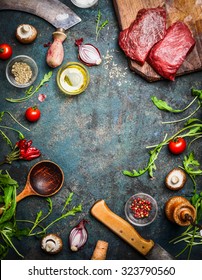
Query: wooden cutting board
{"points": [[189, 11]]}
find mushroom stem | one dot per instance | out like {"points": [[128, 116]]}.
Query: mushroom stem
{"points": [[174, 179]]}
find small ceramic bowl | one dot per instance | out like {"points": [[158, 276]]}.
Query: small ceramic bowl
{"points": [[73, 78], [25, 59], [134, 215], [84, 3]]}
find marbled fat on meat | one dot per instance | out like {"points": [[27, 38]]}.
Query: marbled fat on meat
{"points": [[167, 55], [148, 28]]}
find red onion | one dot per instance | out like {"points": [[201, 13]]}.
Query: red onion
{"points": [[78, 236], [88, 54]]}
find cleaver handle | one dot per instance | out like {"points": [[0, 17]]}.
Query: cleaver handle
{"points": [[121, 227], [55, 53]]}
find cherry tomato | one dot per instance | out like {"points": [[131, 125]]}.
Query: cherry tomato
{"points": [[5, 51], [177, 146], [32, 114]]}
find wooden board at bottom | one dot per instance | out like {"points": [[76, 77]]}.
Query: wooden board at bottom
{"points": [[189, 11]]}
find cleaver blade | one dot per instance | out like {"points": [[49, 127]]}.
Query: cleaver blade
{"points": [[127, 232], [53, 11]]}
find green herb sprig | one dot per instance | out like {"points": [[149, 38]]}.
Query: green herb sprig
{"points": [[4, 127], [192, 129], [191, 236], [9, 224], [99, 25], [162, 105], [31, 91]]}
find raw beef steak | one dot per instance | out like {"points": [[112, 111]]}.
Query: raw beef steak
{"points": [[167, 55], [148, 28]]}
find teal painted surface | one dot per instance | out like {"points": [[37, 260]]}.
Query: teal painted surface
{"points": [[95, 135]]}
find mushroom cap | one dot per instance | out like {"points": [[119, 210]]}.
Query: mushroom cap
{"points": [[26, 33], [51, 243], [175, 179]]}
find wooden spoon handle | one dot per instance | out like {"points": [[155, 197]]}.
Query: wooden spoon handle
{"points": [[26, 192], [121, 227]]}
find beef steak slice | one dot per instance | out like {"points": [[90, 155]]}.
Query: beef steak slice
{"points": [[167, 55], [147, 29]]}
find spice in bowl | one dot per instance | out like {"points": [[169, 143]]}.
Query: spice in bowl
{"points": [[22, 72], [141, 209]]}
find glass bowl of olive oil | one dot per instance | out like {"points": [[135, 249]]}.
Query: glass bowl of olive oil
{"points": [[73, 78]]}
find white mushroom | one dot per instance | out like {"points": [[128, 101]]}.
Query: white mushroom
{"points": [[51, 243], [176, 179], [26, 33]]}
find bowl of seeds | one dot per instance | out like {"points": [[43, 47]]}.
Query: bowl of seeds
{"points": [[141, 209], [21, 71]]}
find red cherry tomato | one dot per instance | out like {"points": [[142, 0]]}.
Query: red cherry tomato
{"points": [[5, 51], [177, 146], [32, 114]]}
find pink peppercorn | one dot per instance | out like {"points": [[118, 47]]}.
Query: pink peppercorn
{"points": [[141, 208]]}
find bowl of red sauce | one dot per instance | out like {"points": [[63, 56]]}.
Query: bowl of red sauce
{"points": [[141, 209]]}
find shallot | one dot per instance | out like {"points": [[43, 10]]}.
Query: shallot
{"points": [[78, 236], [88, 53]]}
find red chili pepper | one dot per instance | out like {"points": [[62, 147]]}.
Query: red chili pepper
{"points": [[27, 152], [23, 150]]}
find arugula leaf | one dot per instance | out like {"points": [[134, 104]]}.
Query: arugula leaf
{"points": [[31, 91], [9, 224], [69, 199], [99, 25], [197, 92], [5, 137], [162, 105], [151, 166]]}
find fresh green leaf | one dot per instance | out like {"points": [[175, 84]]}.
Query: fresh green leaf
{"points": [[162, 105], [197, 93], [5, 137], [31, 91], [99, 25], [67, 202]]}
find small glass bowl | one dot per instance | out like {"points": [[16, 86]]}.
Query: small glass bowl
{"points": [[26, 59], [82, 4], [73, 78], [145, 220]]}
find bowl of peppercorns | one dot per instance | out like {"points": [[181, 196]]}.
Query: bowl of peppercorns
{"points": [[141, 209], [21, 71]]}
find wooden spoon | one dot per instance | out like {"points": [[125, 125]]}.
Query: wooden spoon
{"points": [[45, 178]]}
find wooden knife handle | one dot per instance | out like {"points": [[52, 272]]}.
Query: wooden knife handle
{"points": [[55, 54], [121, 227]]}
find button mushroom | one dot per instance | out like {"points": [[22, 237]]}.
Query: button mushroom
{"points": [[51, 243], [176, 179], [26, 33]]}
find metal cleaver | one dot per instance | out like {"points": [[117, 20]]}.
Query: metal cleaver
{"points": [[53, 11], [123, 229]]}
